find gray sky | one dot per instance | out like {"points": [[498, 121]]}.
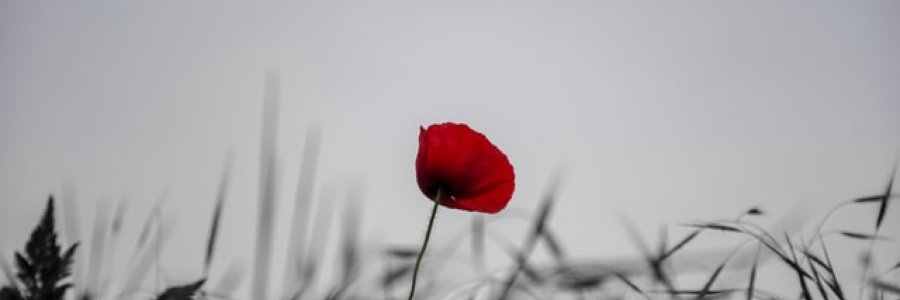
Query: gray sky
{"points": [[665, 112]]}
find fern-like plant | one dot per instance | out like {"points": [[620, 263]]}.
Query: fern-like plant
{"points": [[42, 268]]}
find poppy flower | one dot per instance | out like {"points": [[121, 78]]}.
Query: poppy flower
{"points": [[471, 173]]}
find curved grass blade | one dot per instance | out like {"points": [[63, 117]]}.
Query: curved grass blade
{"points": [[716, 226], [886, 287], [817, 280], [800, 273], [680, 245], [861, 236], [217, 215]]}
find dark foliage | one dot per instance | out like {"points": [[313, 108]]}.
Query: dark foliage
{"points": [[183, 292], [41, 271], [42, 268], [8, 293]]}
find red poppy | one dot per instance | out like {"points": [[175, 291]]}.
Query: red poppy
{"points": [[471, 173]]}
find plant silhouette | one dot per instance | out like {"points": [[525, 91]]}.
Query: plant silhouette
{"points": [[42, 268]]}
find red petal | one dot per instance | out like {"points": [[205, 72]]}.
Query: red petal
{"points": [[473, 174]]}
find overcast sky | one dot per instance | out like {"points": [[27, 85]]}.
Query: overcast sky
{"points": [[664, 112]]}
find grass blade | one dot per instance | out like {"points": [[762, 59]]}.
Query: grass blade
{"points": [[751, 286], [539, 224], [884, 201], [350, 244], [680, 245], [709, 283], [631, 285], [798, 270], [98, 245], [553, 245], [817, 280], [221, 194], [391, 275], [478, 242], [320, 231], [860, 236], [302, 203], [655, 265], [834, 284], [886, 287], [266, 208], [716, 226], [869, 199]]}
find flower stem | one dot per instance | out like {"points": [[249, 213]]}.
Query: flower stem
{"points": [[437, 201]]}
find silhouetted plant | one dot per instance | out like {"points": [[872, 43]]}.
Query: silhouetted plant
{"points": [[9, 293], [183, 292], [42, 268]]}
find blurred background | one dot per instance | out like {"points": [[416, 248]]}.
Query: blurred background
{"points": [[661, 113]]}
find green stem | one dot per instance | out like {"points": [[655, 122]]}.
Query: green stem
{"points": [[437, 201]]}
